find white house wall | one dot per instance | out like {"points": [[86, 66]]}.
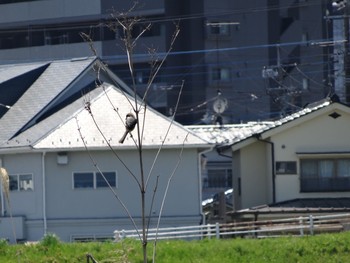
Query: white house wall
{"points": [[27, 203], [255, 182], [26, 206], [321, 134], [87, 203], [96, 212]]}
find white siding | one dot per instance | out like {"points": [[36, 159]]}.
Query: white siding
{"points": [[96, 211], [254, 175], [321, 134], [25, 203]]}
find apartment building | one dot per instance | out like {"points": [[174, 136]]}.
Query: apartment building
{"points": [[237, 61]]}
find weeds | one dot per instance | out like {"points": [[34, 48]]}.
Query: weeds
{"points": [[322, 248]]}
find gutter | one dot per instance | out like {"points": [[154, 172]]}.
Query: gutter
{"points": [[258, 137], [221, 149]]}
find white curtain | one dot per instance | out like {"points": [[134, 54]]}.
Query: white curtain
{"points": [[326, 168], [343, 168]]}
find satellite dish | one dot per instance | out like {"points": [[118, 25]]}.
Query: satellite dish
{"points": [[220, 105]]}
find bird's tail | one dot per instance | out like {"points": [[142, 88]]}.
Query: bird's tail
{"points": [[124, 136]]}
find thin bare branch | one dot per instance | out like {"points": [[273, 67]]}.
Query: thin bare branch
{"points": [[102, 66], [166, 135], [87, 38], [94, 163], [174, 37], [166, 193], [152, 203], [148, 27], [88, 108]]}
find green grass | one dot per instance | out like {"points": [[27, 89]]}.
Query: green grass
{"points": [[321, 248]]}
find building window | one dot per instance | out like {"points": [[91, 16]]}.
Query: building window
{"points": [[109, 176], [218, 29], [286, 167], [324, 175], [94, 180], [218, 178], [21, 182], [221, 74], [83, 180]]}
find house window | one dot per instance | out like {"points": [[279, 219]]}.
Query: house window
{"points": [[21, 182], [324, 175], [286, 167], [218, 178], [109, 176], [83, 180], [94, 180]]}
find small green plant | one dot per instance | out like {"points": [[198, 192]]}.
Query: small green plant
{"points": [[3, 244], [50, 240]]}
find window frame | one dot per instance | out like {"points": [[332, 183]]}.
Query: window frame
{"points": [[331, 181], [217, 73], [218, 167], [94, 180], [18, 176], [218, 30], [286, 170]]}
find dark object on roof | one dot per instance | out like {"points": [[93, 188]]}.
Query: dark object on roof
{"points": [[334, 98]]}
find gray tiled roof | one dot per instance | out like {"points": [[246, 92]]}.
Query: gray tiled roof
{"points": [[57, 77], [230, 133], [59, 129], [301, 205], [234, 133], [32, 135], [10, 71], [66, 136]]}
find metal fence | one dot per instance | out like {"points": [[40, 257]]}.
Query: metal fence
{"points": [[305, 225]]}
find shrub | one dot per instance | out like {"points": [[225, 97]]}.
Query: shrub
{"points": [[50, 240]]}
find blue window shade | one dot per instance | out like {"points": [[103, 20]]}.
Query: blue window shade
{"points": [[83, 180], [110, 177]]}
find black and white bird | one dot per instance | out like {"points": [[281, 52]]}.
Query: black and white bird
{"points": [[130, 123]]}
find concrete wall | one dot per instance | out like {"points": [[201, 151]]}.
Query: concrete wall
{"points": [[49, 52], [37, 10]]}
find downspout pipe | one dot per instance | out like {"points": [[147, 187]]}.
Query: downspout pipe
{"points": [[258, 137], [200, 181], [43, 172]]}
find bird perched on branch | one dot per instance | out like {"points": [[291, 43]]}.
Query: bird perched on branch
{"points": [[130, 123]]}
